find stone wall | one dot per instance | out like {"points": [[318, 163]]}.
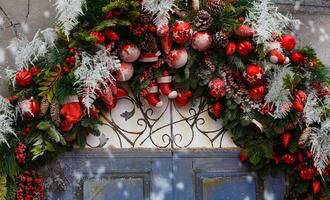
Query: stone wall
{"points": [[27, 16]]}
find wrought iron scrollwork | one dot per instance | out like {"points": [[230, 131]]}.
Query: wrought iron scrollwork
{"points": [[135, 124]]}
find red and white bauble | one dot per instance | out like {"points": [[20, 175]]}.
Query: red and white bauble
{"points": [[201, 41], [217, 88], [129, 52], [181, 32], [177, 58], [29, 108], [253, 74], [124, 72]]}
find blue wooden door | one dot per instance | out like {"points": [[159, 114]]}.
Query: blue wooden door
{"points": [[156, 175]]}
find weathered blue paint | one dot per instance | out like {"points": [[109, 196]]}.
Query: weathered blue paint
{"points": [[161, 174]]}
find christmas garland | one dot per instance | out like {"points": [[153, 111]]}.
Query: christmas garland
{"points": [[236, 54]]}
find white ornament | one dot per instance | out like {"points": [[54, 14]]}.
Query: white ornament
{"points": [[177, 58], [124, 72], [129, 52], [201, 41]]}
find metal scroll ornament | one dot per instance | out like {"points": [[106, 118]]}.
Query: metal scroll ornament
{"points": [[134, 124]]}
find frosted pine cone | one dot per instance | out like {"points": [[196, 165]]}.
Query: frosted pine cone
{"points": [[55, 112], [214, 6], [220, 39], [145, 17], [203, 20], [44, 105], [149, 43]]}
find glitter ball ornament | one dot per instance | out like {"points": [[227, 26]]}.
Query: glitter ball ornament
{"points": [[257, 92], [129, 52], [288, 42], [244, 48], [201, 41], [124, 72], [29, 108], [24, 78], [217, 88], [253, 74], [244, 31], [177, 58], [181, 32]]}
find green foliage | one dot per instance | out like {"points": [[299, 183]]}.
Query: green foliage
{"points": [[54, 56], [84, 36], [48, 85], [8, 164], [291, 82], [11, 189], [3, 186], [65, 87]]}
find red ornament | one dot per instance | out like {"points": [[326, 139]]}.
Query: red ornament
{"points": [[253, 74], [231, 48], [297, 57], [177, 58], [298, 106], [124, 72], [181, 32], [164, 83], [72, 112], [217, 88], [111, 35], [94, 112], [183, 98], [24, 78], [289, 159], [277, 159], [163, 30], [99, 36], [152, 96], [29, 108], [257, 92], [201, 41], [307, 173], [316, 186], [244, 48], [244, 31], [129, 52], [277, 57], [35, 70], [166, 43], [300, 95], [288, 42], [286, 139], [216, 109], [243, 156], [66, 70]]}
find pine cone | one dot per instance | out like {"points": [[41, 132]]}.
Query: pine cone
{"points": [[214, 6], [44, 105], [145, 17], [203, 20], [149, 43], [220, 39], [55, 112]]}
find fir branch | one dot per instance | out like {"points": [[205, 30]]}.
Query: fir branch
{"points": [[160, 10], [7, 119], [94, 74], [266, 21], [68, 12], [278, 94]]}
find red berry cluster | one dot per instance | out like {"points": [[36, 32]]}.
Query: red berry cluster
{"points": [[113, 14], [70, 61], [25, 132], [29, 186], [20, 154], [138, 29]]}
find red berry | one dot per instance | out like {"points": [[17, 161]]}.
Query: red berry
{"points": [[66, 69], [67, 60], [297, 57], [286, 139], [243, 156], [71, 50]]}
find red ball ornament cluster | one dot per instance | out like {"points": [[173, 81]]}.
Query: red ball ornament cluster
{"points": [[29, 186]]}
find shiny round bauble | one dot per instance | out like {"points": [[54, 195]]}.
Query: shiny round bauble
{"points": [[253, 74], [124, 72], [244, 48], [288, 42], [201, 41], [217, 88], [177, 58], [24, 78], [181, 32], [257, 92], [129, 52], [297, 57], [29, 108]]}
